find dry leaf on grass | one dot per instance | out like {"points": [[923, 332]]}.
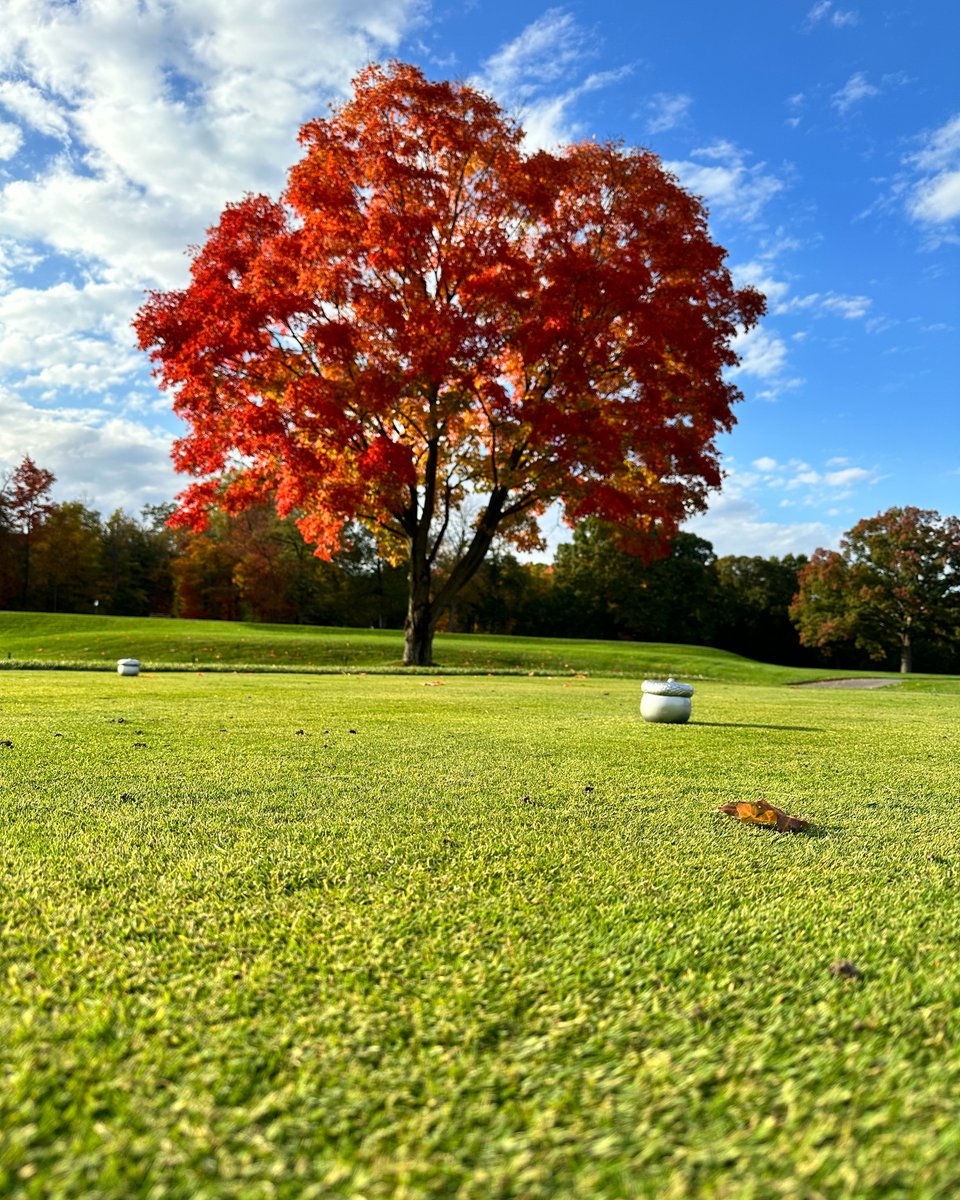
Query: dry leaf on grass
{"points": [[760, 812]]}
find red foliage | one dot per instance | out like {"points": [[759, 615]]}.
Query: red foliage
{"points": [[28, 494]]}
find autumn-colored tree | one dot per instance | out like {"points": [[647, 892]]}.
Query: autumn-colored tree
{"points": [[28, 503], [429, 315], [895, 577]]}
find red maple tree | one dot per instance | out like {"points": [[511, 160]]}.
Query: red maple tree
{"points": [[431, 318]]}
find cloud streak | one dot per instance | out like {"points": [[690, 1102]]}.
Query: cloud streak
{"points": [[934, 198], [856, 89], [721, 173], [540, 75]]}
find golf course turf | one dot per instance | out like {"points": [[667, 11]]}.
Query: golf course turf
{"points": [[287, 934]]}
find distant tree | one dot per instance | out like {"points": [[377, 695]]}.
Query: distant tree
{"points": [[66, 558], [499, 597], [753, 616], [28, 504], [9, 572], [895, 578], [202, 572], [253, 565], [613, 593], [430, 315]]}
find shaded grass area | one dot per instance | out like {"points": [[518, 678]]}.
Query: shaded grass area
{"points": [[341, 936], [71, 641]]}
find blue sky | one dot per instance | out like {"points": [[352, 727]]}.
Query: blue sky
{"points": [[824, 137]]}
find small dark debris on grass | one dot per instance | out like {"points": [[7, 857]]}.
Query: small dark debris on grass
{"points": [[127, 798], [6, 742], [58, 735], [588, 789], [351, 731], [843, 968], [299, 732], [139, 745]]}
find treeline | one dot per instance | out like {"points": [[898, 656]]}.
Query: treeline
{"points": [[65, 557]]}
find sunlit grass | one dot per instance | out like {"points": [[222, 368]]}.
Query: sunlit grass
{"points": [[339, 936], [60, 640]]}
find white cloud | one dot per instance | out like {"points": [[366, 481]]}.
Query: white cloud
{"points": [[14, 258], [938, 200], [173, 109], [546, 121], [850, 308], [544, 53], [34, 108], [11, 139], [739, 525], [667, 110], [105, 220], [856, 88], [819, 11], [934, 198], [848, 475], [725, 180], [538, 77], [830, 484], [106, 461], [839, 18], [757, 275], [738, 521], [761, 352]]}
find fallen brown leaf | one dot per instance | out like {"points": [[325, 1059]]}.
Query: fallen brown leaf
{"points": [[761, 812]]}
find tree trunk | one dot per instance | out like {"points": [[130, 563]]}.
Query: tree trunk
{"points": [[906, 653], [418, 636], [418, 627], [423, 608]]}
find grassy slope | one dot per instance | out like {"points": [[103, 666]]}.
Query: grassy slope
{"points": [[38, 639], [303, 937]]}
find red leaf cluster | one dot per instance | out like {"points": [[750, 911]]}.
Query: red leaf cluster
{"points": [[429, 312]]}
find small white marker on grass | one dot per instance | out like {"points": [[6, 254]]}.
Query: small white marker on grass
{"points": [[665, 703]]}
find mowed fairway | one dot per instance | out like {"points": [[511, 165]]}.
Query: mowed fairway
{"points": [[373, 936]]}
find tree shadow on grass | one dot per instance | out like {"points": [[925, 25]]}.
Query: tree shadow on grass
{"points": [[746, 725]]}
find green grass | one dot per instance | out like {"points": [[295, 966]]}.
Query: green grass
{"points": [[342, 936], [56, 640]]}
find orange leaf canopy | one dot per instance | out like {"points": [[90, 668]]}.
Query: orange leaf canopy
{"points": [[428, 313]]}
